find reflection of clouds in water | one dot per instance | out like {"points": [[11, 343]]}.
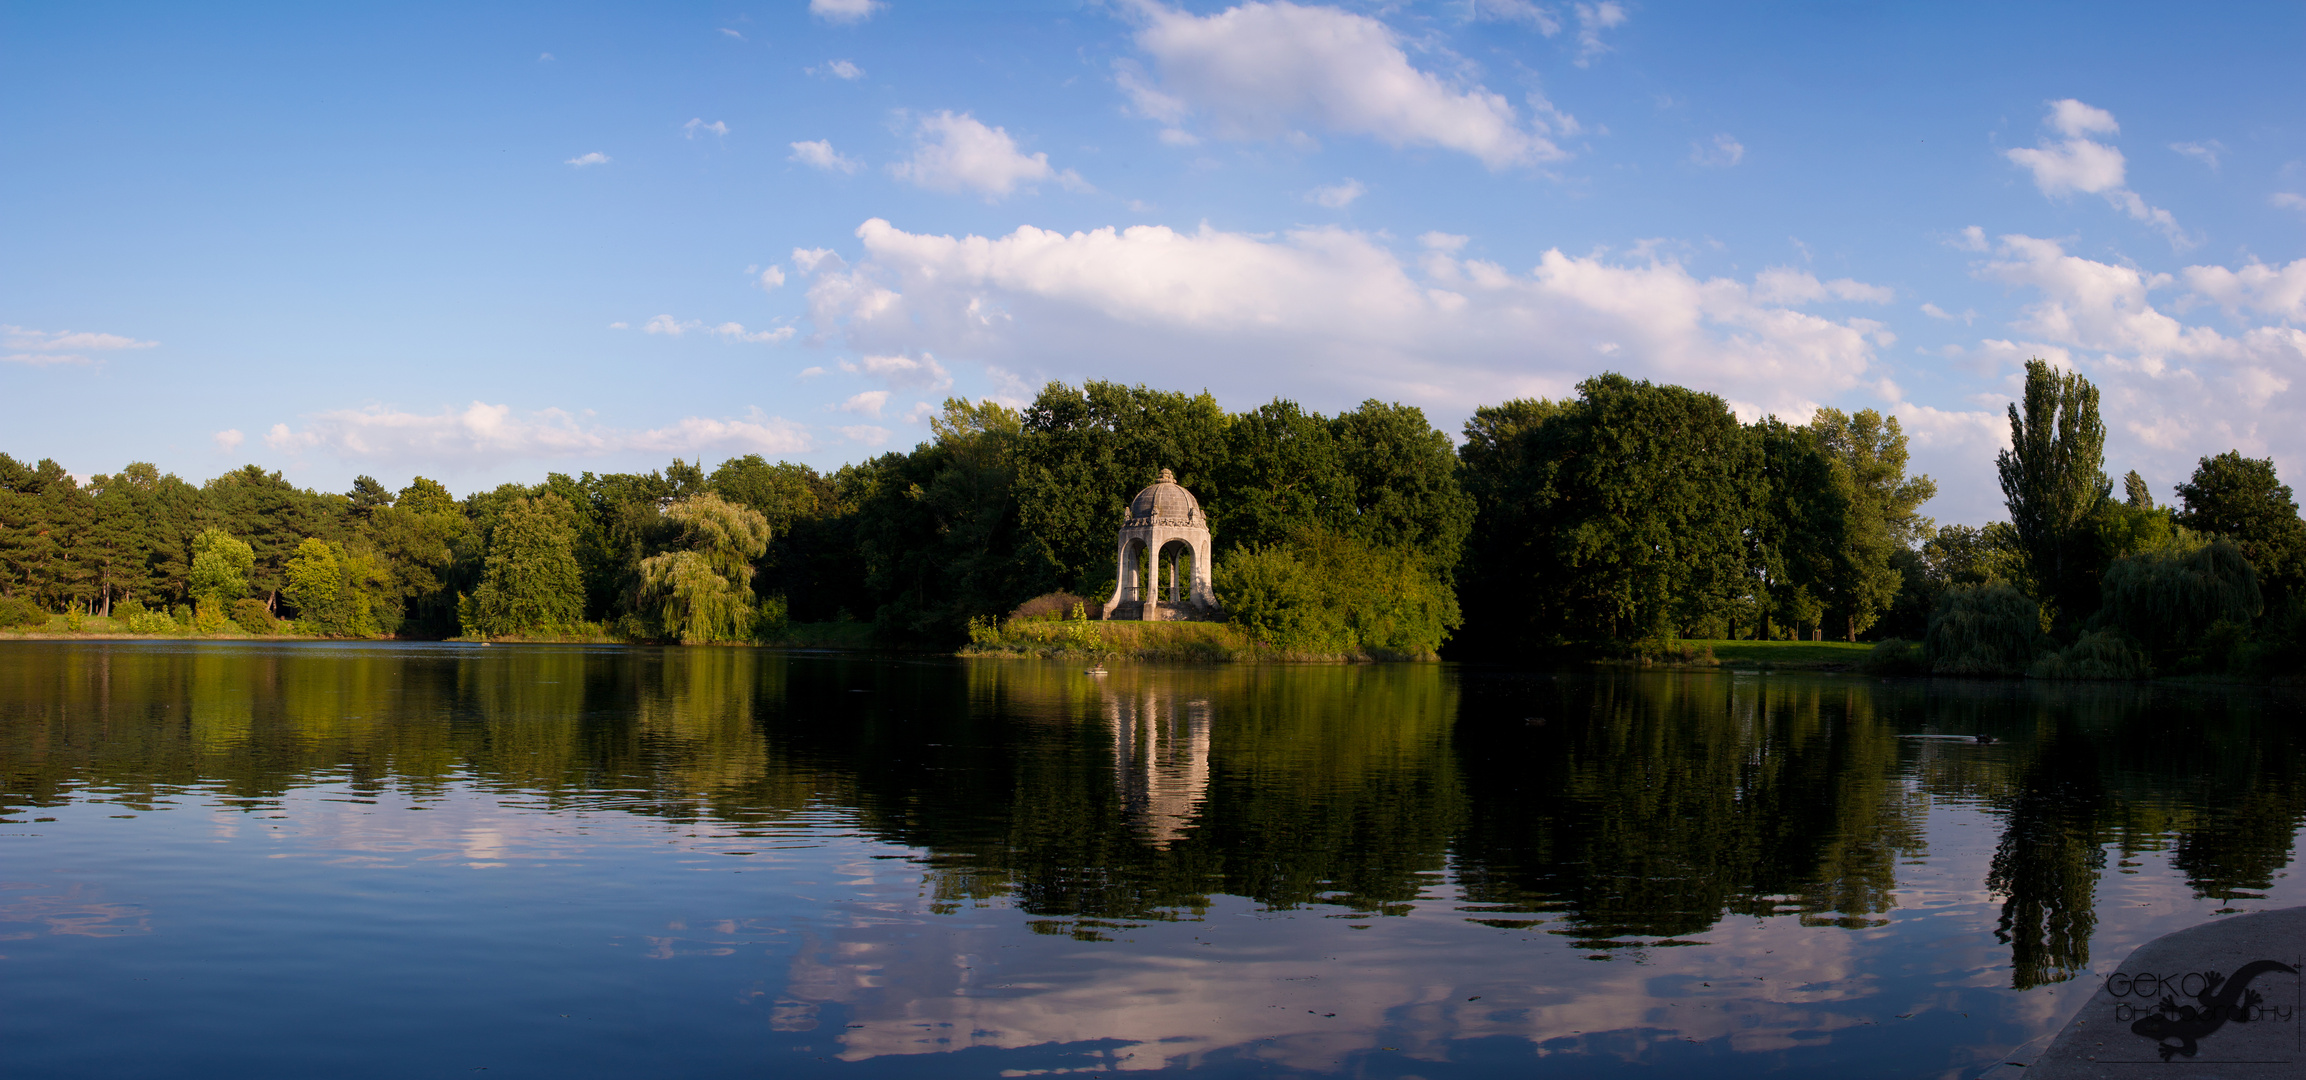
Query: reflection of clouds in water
{"points": [[1170, 994], [72, 909]]}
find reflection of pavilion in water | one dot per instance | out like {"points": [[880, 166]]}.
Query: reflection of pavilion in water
{"points": [[1160, 759]]}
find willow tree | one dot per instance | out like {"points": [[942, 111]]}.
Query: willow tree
{"points": [[703, 589], [2054, 481]]}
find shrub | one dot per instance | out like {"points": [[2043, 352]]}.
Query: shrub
{"points": [[1895, 656], [1325, 594], [253, 617], [151, 622], [18, 612], [2100, 654], [1990, 629], [1048, 607]]}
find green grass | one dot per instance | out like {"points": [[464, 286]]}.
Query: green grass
{"points": [[1788, 653]]}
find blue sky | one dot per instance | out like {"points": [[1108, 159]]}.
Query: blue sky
{"points": [[484, 244]]}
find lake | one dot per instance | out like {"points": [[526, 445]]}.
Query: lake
{"points": [[394, 860]]}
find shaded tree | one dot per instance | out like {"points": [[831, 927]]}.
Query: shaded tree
{"points": [[2053, 482]]}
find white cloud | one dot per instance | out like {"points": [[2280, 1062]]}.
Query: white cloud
{"points": [[1936, 312], [1721, 153], [2208, 153], [920, 411], [483, 432], [44, 347], [808, 373], [587, 160], [1326, 314], [771, 278], [2079, 164], [839, 69], [1337, 196], [844, 11], [671, 327], [2288, 200], [2181, 391], [1260, 70], [725, 31], [902, 372], [229, 439], [1592, 19], [866, 403], [866, 434], [542, 57], [955, 151], [2275, 291], [821, 155], [697, 124], [1972, 238]]}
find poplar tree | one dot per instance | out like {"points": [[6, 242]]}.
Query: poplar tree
{"points": [[2053, 481]]}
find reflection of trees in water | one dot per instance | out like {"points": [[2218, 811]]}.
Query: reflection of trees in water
{"points": [[2046, 867], [1644, 806], [1649, 806]]}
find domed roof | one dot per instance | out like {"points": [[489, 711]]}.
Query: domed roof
{"points": [[1166, 503]]}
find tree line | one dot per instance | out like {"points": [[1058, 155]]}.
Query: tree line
{"points": [[1629, 515]]}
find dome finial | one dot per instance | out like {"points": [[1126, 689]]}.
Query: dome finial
{"points": [[1168, 477]]}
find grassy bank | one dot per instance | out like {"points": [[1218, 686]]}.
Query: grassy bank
{"points": [[1812, 655]]}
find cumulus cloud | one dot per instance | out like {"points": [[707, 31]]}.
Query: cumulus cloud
{"points": [[484, 432], [821, 155], [2079, 164], [771, 278], [1337, 196], [1334, 315], [697, 124], [1719, 153], [2274, 291], [1971, 238], [1265, 70], [956, 151], [844, 11], [2180, 390], [584, 161], [228, 440], [44, 347], [2288, 200], [839, 69], [866, 435]]}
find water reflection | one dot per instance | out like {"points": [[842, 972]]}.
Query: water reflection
{"points": [[1319, 868]]}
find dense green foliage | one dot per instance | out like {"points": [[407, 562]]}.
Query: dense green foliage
{"points": [[1640, 512], [1321, 593], [1617, 521]]}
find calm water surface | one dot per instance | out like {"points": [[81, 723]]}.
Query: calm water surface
{"points": [[395, 861]]}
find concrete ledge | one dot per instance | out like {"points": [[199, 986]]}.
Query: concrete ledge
{"points": [[2224, 999]]}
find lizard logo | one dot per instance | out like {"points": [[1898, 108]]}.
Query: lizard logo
{"points": [[2179, 1029]]}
